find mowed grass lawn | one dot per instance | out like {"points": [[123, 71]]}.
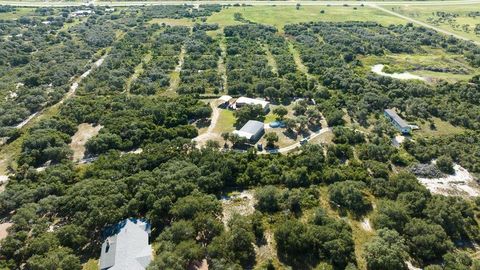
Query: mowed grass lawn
{"points": [[279, 16], [422, 13], [442, 128], [226, 122]]}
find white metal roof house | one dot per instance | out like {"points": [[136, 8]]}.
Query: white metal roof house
{"points": [[242, 101], [128, 248], [252, 130], [398, 122]]}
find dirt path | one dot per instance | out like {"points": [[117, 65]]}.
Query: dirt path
{"points": [[138, 71], [84, 133], [209, 134], [270, 59], [70, 93], [222, 69], [175, 75], [374, 5], [298, 60], [298, 144]]}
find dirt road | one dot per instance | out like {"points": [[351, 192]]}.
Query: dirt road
{"points": [[70, 93], [209, 134], [298, 144]]}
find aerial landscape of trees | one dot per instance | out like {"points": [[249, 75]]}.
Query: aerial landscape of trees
{"points": [[350, 202]]}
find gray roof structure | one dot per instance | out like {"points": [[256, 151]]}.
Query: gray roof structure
{"points": [[251, 128], [397, 118], [128, 248]]}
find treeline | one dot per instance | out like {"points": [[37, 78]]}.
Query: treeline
{"points": [[129, 123], [180, 11]]}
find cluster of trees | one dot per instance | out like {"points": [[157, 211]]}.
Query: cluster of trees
{"points": [[199, 71], [165, 51], [322, 238], [128, 124], [112, 76], [6, 9], [335, 60], [271, 199], [38, 61], [461, 148], [152, 184], [180, 11], [248, 70]]}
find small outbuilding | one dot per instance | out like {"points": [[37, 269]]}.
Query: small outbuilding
{"points": [[127, 246], [397, 121], [252, 131], [242, 101]]}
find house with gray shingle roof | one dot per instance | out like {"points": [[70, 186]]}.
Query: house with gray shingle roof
{"points": [[127, 246]]}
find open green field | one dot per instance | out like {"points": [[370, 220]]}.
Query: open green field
{"points": [[279, 16], [433, 64], [460, 23]]}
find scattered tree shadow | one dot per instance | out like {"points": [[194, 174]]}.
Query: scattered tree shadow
{"points": [[290, 134], [203, 123]]}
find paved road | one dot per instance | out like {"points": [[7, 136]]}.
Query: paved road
{"points": [[247, 2], [421, 23]]}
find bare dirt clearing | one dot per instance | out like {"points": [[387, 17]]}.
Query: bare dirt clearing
{"points": [[461, 183], [378, 69], [3, 229], [365, 224], [242, 203], [84, 133]]}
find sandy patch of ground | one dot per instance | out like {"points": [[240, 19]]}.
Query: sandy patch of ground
{"points": [[378, 69], [24, 122], [411, 267], [242, 203], [267, 251], [3, 229], [136, 152], [365, 224], [3, 174], [461, 183], [203, 265], [84, 133], [398, 140]]}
